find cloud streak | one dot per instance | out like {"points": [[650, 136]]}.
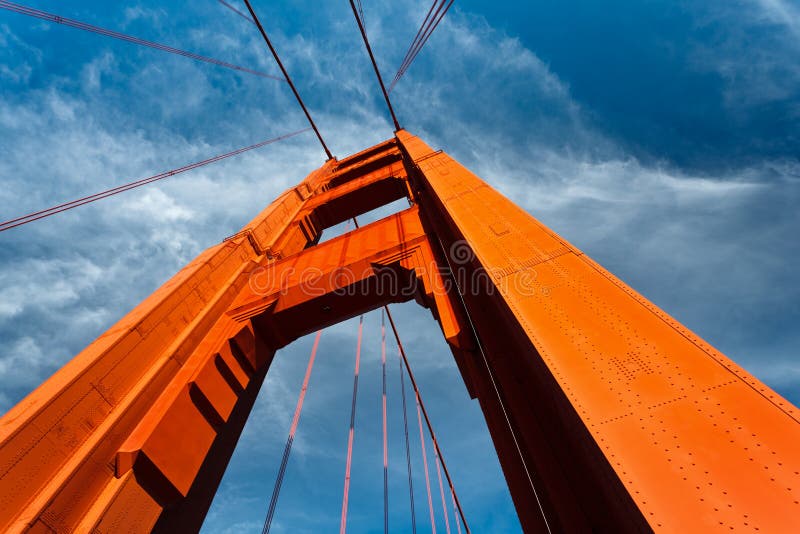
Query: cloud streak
{"points": [[715, 247]]}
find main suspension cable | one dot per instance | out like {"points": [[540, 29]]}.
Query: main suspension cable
{"points": [[374, 65], [427, 32], [43, 15], [432, 19], [286, 75], [343, 524], [25, 219], [288, 448], [361, 13], [423, 34], [416, 37]]}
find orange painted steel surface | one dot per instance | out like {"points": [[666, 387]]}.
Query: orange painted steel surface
{"points": [[606, 413]]}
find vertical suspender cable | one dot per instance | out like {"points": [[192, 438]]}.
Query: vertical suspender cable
{"points": [[343, 524], [403, 361], [455, 511], [425, 465], [427, 419], [385, 443], [286, 75], [441, 492], [408, 448], [288, 448]]}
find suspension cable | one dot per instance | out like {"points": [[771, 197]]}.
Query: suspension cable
{"points": [[427, 419], [286, 75], [374, 65], [420, 405], [385, 441], [499, 397], [343, 524], [361, 13], [425, 465], [408, 449], [295, 420], [427, 32], [245, 17], [288, 448], [43, 15], [423, 34], [441, 492], [24, 219], [455, 511], [417, 36]]}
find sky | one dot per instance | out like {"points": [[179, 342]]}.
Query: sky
{"points": [[661, 138]]}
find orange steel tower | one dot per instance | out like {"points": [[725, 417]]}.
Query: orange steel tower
{"points": [[606, 413]]}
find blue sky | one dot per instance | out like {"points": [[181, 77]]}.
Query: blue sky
{"points": [[662, 138]]}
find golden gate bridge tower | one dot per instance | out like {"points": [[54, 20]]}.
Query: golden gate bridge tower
{"points": [[607, 414]]}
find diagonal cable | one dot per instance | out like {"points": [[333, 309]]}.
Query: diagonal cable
{"points": [[35, 216], [43, 15], [427, 28], [430, 17], [374, 65], [245, 17], [414, 41], [361, 13], [286, 75], [426, 31], [433, 23]]}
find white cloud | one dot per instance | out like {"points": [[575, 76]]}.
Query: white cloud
{"points": [[155, 205], [46, 283], [94, 71], [754, 46], [139, 13], [474, 91], [782, 12]]}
